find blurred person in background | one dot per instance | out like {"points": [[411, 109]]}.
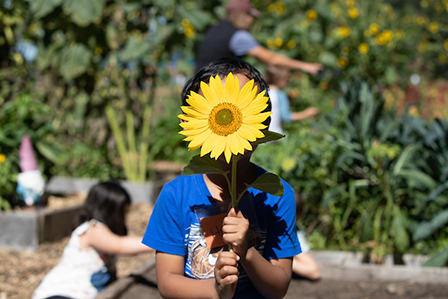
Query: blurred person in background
{"points": [[277, 78], [87, 264], [231, 38], [304, 264]]}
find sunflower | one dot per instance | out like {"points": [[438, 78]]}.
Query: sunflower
{"points": [[226, 119]]}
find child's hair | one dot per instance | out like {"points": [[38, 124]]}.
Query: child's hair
{"points": [[222, 67], [275, 74], [107, 202]]}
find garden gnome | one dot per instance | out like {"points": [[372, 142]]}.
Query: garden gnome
{"points": [[30, 184]]}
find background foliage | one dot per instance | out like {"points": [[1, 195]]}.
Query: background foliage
{"points": [[372, 167]]}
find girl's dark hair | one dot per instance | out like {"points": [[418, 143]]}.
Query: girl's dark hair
{"points": [[222, 67], [107, 202]]}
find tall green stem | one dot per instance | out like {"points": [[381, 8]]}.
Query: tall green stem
{"points": [[233, 185]]}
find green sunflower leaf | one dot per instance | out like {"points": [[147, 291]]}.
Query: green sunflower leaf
{"points": [[269, 183], [201, 165], [268, 137]]}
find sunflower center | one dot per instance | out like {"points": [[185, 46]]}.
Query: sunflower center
{"points": [[225, 119]]}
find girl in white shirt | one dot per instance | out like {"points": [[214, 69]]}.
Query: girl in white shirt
{"points": [[88, 262]]}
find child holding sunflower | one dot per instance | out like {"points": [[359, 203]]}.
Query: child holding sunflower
{"points": [[226, 111]]}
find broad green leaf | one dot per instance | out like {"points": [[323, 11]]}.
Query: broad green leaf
{"points": [[41, 8], [74, 61], [50, 152], [269, 183], [398, 230], [426, 229], [268, 137], [440, 259], [134, 49], [202, 165], [417, 177], [84, 12], [405, 156]]}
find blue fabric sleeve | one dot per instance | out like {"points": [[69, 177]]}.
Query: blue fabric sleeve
{"points": [[282, 239], [164, 232], [283, 104], [242, 42]]}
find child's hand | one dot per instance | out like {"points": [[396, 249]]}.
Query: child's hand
{"points": [[226, 274], [235, 228]]}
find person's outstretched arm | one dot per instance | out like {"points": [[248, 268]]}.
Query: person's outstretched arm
{"points": [[267, 56], [103, 239], [305, 265], [271, 278]]}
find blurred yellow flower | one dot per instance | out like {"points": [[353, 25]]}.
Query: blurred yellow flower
{"points": [[343, 31], [272, 7], [399, 33], [323, 85], [407, 19], [185, 22], [278, 42], [388, 34], [291, 44], [445, 44], [189, 31], [374, 28], [419, 20], [442, 57], [433, 27], [421, 47], [367, 33], [350, 3], [281, 8], [345, 50], [311, 15], [353, 12], [270, 43], [380, 40], [363, 48], [342, 62], [439, 8], [98, 51], [2, 158], [424, 3]]}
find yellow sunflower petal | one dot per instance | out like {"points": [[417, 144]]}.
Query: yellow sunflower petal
{"points": [[219, 147], [256, 118], [231, 88], [199, 103], [194, 124], [191, 134], [254, 109], [193, 113], [217, 86], [199, 139], [250, 133], [246, 94], [209, 94]]}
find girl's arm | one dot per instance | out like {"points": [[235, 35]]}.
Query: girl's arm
{"points": [[172, 283], [271, 278], [104, 240]]}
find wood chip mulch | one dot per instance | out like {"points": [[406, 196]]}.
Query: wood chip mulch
{"points": [[22, 271]]}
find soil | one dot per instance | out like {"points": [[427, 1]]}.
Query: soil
{"points": [[22, 271]]}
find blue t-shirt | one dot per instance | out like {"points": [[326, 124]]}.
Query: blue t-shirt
{"points": [[175, 226], [242, 42]]}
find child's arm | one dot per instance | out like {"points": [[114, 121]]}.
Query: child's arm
{"points": [[172, 283], [271, 278], [103, 239]]}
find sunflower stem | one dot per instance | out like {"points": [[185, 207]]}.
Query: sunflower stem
{"points": [[233, 186]]}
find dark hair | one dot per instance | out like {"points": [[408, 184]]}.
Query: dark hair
{"points": [[106, 202], [222, 67]]}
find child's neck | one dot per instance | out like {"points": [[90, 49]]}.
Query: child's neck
{"points": [[217, 183]]}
